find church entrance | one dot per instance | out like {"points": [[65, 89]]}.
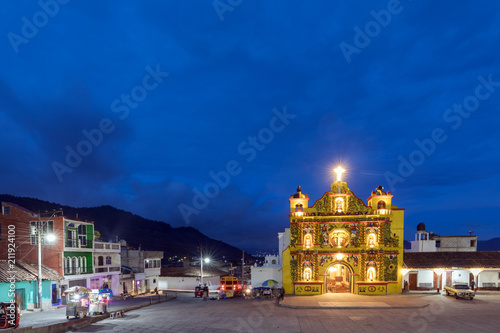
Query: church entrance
{"points": [[338, 278]]}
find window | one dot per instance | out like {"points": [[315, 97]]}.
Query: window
{"points": [[100, 261], [299, 208], [108, 260], [472, 243], [82, 234], [438, 243], [6, 210], [47, 229], [381, 205]]}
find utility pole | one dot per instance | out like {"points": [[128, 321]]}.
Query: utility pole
{"points": [[39, 230], [201, 264], [243, 266]]}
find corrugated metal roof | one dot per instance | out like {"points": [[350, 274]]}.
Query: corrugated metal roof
{"points": [[479, 259], [22, 271]]}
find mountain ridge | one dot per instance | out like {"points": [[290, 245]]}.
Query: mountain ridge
{"points": [[138, 231]]}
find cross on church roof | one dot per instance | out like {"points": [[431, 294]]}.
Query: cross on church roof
{"points": [[339, 171]]}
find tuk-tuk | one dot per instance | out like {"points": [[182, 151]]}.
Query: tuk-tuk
{"points": [[9, 315], [77, 302]]}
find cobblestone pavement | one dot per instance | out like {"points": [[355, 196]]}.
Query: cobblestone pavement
{"points": [[187, 314]]}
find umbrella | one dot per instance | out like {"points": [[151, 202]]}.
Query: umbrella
{"points": [[269, 283], [77, 290]]}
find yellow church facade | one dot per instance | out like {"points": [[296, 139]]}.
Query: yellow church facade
{"points": [[341, 244]]}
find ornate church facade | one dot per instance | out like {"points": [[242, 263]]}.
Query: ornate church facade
{"points": [[341, 244]]}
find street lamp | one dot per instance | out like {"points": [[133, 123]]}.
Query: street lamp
{"points": [[49, 238]]}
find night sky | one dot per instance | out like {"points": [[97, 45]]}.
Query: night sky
{"points": [[143, 106]]}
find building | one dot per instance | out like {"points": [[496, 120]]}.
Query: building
{"points": [[22, 224], [434, 270], [140, 268], [78, 253], [69, 251], [107, 266], [430, 242], [341, 244]]}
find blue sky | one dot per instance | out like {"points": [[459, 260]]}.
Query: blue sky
{"points": [[139, 105]]}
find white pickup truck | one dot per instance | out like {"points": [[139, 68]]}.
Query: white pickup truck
{"points": [[460, 290]]}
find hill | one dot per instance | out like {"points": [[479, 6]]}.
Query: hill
{"points": [[489, 245], [136, 230]]}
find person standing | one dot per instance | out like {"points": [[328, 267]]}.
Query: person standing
{"points": [[472, 285], [205, 292]]}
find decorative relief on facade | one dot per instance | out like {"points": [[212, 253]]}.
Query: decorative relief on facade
{"points": [[323, 205], [390, 273], [390, 239], [356, 205], [339, 238], [294, 234]]}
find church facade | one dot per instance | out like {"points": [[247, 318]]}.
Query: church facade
{"points": [[341, 244]]}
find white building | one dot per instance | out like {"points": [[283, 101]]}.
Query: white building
{"points": [[434, 270], [107, 264], [430, 242], [270, 270]]}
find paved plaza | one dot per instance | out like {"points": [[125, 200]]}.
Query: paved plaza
{"points": [[326, 313]]}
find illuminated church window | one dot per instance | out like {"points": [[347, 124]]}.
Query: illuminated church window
{"points": [[372, 240], [308, 240], [307, 274], [371, 274], [381, 204], [339, 205], [299, 208]]}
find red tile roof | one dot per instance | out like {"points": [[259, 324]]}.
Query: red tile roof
{"points": [[480, 259]]}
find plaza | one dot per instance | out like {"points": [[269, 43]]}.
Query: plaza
{"points": [[412, 312]]}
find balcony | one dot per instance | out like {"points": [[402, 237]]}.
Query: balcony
{"points": [[106, 269], [77, 270], [107, 247], [75, 244]]}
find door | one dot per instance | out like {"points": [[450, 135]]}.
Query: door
{"points": [[19, 298], [412, 279]]}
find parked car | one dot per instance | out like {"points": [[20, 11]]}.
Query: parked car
{"points": [[460, 290]]}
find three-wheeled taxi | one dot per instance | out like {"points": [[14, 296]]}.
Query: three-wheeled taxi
{"points": [[9, 315], [77, 301]]}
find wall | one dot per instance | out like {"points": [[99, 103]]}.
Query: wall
{"points": [[30, 293], [187, 283], [261, 274]]}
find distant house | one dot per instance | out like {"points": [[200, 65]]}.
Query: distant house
{"points": [[187, 278], [20, 282]]}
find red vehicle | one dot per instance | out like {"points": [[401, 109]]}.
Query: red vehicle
{"points": [[9, 315], [198, 291]]}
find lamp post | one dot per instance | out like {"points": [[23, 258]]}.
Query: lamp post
{"points": [[207, 260], [50, 237]]}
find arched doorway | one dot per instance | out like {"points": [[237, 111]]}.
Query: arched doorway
{"points": [[339, 278]]}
